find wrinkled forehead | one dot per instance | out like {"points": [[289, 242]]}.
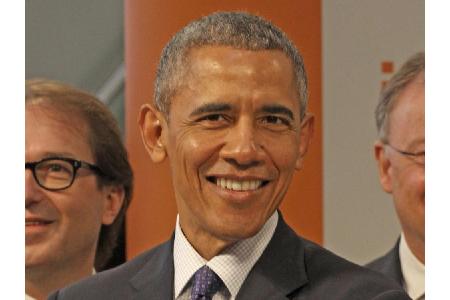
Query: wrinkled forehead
{"points": [[213, 65], [216, 58]]}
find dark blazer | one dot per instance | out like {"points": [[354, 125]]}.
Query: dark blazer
{"points": [[289, 268], [389, 264]]}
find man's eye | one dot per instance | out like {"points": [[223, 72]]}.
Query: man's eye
{"points": [[54, 168], [57, 168], [275, 120], [213, 118]]}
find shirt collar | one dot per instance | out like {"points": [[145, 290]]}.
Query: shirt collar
{"points": [[232, 265], [413, 270], [28, 297]]}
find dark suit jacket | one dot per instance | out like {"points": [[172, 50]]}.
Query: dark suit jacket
{"points": [[289, 268], [389, 264]]}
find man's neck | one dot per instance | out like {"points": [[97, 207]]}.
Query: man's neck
{"points": [[206, 246], [41, 281], [416, 245]]}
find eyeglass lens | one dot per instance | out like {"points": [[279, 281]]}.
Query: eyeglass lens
{"points": [[54, 174]]}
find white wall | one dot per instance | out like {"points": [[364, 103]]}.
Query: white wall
{"points": [[360, 221]]}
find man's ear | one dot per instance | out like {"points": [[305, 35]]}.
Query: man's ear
{"points": [[384, 166], [115, 196], [306, 134], [151, 123]]}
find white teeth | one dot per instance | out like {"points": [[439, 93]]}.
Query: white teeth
{"points": [[238, 185], [229, 184], [245, 185]]}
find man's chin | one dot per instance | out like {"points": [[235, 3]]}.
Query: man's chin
{"points": [[33, 262], [39, 255], [236, 232]]}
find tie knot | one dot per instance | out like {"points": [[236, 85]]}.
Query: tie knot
{"points": [[206, 283]]}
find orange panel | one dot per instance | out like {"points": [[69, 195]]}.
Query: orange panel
{"points": [[149, 24], [387, 67]]}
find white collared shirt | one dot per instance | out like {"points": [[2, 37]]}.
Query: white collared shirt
{"points": [[28, 297], [232, 265], [413, 271]]}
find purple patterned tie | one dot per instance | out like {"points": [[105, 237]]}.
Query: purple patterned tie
{"points": [[206, 283]]}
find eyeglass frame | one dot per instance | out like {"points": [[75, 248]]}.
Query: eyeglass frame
{"points": [[76, 164], [409, 154]]}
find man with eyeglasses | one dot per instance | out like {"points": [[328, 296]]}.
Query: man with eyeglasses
{"points": [[400, 153], [78, 185]]}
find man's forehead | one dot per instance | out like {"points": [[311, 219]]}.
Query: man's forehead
{"points": [[407, 118], [215, 57], [65, 128]]}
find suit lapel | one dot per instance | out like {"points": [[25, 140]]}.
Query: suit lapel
{"points": [[280, 270], [392, 264], [155, 279]]}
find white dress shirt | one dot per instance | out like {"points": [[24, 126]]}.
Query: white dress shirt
{"points": [[28, 297], [232, 265], [413, 271]]}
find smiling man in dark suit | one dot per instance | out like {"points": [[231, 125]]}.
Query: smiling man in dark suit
{"points": [[230, 115], [78, 185], [400, 154]]}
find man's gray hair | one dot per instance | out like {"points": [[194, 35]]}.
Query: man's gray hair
{"points": [[235, 29], [412, 68]]}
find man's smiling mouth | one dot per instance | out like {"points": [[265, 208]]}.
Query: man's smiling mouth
{"points": [[237, 184], [36, 222]]}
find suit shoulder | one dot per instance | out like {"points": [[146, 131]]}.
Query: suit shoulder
{"points": [[113, 281], [378, 263], [389, 265], [346, 280], [388, 259]]}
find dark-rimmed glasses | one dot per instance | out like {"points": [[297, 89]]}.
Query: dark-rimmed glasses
{"points": [[58, 173], [418, 157]]}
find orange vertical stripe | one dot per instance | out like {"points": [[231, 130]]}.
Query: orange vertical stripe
{"points": [[387, 67], [149, 24]]}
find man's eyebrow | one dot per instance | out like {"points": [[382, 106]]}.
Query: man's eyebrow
{"points": [[210, 108], [58, 154], [278, 109]]}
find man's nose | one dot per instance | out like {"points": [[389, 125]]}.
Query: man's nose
{"points": [[33, 192], [242, 147]]}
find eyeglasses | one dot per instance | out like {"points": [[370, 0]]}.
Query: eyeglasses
{"points": [[58, 173], [418, 157]]}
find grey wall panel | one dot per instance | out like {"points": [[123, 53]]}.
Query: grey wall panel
{"points": [[360, 221], [79, 42]]}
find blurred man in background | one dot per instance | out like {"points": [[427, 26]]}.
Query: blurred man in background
{"points": [[78, 185], [400, 153]]}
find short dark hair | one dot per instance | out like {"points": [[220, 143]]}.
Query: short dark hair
{"points": [[412, 68], [235, 29], [104, 138]]}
